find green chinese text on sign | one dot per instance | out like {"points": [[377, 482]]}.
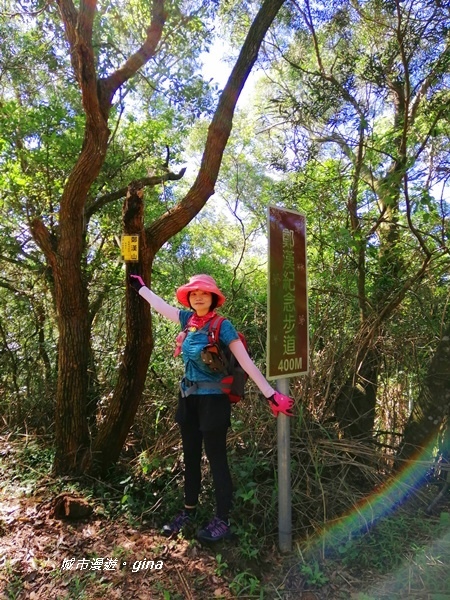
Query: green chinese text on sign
{"points": [[287, 343]]}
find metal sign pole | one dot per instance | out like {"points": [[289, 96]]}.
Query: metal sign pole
{"points": [[284, 475]]}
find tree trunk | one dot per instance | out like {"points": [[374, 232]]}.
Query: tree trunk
{"points": [[71, 428], [433, 405], [355, 405], [356, 400], [122, 409]]}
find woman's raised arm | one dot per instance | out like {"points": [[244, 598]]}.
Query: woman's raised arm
{"points": [[160, 305]]}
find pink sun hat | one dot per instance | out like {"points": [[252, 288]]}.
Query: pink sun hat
{"points": [[205, 283]]}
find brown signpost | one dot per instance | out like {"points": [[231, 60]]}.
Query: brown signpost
{"points": [[287, 337], [287, 331]]}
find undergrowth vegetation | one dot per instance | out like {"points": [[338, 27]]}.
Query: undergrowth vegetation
{"points": [[401, 553]]}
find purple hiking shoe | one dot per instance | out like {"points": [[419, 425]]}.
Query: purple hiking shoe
{"points": [[216, 530], [179, 522]]}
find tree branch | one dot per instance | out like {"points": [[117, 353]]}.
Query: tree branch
{"points": [[219, 131], [121, 193], [109, 85], [45, 240], [78, 28]]}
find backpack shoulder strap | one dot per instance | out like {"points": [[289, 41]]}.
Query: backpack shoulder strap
{"points": [[214, 328], [188, 322]]}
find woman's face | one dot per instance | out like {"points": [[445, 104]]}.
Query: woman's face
{"points": [[200, 302]]}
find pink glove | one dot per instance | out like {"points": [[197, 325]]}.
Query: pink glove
{"points": [[281, 403]]}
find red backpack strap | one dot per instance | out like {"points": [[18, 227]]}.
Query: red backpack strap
{"points": [[214, 329]]}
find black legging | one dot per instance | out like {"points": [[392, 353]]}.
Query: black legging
{"points": [[216, 453]]}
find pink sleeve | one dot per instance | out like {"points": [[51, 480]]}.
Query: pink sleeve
{"points": [[241, 354], [160, 305]]}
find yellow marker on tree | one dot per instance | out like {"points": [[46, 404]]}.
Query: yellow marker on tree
{"points": [[129, 246]]}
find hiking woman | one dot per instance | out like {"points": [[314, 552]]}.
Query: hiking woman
{"points": [[204, 416]]}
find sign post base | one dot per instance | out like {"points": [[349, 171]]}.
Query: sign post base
{"points": [[284, 475]]}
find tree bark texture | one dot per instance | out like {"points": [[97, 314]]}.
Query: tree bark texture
{"points": [[71, 426]]}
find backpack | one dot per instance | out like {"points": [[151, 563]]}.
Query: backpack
{"points": [[219, 358]]}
